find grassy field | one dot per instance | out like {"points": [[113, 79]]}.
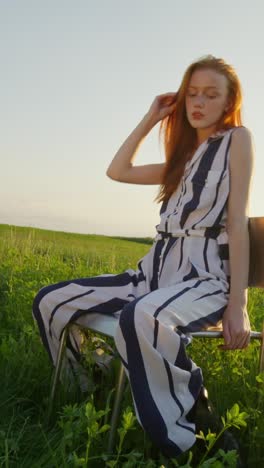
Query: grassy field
{"points": [[32, 258]]}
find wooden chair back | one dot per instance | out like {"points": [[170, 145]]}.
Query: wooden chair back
{"points": [[256, 263]]}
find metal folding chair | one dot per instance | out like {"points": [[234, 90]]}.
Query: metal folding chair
{"points": [[106, 325]]}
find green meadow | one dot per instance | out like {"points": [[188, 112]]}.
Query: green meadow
{"points": [[77, 433]]}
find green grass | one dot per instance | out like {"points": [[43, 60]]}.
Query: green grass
{"points": [[32, 258]]}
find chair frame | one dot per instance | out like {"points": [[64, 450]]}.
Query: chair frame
{"points": [[107, 330]]}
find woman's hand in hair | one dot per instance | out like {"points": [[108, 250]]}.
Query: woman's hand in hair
{"points": [[162, 106]]}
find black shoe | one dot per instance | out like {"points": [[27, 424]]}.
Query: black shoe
{"points": [[203, 414]]}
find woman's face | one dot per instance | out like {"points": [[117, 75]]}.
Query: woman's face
{"points": [[206, 98]]}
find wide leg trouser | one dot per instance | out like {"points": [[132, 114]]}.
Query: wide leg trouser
{"points": [[73, 301], [151, 337]]}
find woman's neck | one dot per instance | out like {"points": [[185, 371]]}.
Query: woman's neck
{"points": [[204, 133]]}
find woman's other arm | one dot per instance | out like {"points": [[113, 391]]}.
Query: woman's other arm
{"points": [[121, 167], [236, 326]]}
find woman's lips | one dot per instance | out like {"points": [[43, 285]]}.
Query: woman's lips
{"points": [[197, 115]]}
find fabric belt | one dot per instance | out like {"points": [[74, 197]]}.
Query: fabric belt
{"points": [[210, 232]]}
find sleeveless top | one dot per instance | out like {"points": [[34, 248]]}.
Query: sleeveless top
{"points": [[198, 209], [199, 205]]}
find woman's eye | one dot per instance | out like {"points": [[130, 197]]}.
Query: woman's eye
{"points": [[191, 95]]}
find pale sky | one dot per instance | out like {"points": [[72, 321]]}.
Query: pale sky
{"points": [[77, 77]]}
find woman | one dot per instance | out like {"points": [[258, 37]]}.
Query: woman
{"points": [[194, 275]]}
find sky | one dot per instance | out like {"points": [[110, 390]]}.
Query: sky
{"points": [[78, 76]]}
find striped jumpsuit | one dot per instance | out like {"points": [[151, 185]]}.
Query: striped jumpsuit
{"points": [[181, 285]]}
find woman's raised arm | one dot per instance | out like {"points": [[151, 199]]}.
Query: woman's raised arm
{"points": [[121, 167]]}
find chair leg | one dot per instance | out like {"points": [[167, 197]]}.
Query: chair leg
{"points": [[261, 356], [57, 370], [116, 408]]}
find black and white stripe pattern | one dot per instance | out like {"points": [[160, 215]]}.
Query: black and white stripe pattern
{"points": [[180, 286]]}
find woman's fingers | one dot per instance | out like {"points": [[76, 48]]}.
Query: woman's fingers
{"points": [[236, 329], [163, 105], [243, 341], [168, 98], [237, 341], [173, 94]]}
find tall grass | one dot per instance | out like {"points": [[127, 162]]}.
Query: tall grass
{"points": [[32, 258]]}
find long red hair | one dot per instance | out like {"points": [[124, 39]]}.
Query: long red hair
{"points": [[179, 137]]}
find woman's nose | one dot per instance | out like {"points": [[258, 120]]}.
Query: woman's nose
{"points": [[199, 101]]}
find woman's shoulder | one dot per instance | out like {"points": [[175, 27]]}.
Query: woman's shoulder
{"points": [[242, 147], [241, 133]]}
